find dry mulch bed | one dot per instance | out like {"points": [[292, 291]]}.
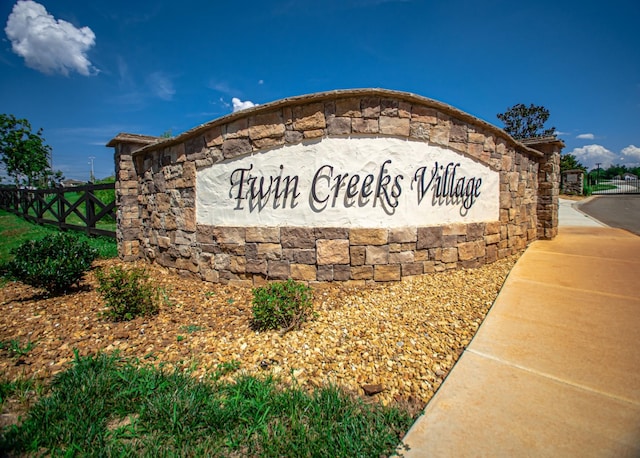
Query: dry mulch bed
{"points": [[405, 336]]}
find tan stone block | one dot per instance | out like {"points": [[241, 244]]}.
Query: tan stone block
{"points": [[420, 130], [348, 107], [210, 275], [339, 126], [229, 235], [370, 107], [309, 117], [386, 273], [389, 107], [423, 114], [404, 257], [332, 233], [404, 109], [403, 235], [237, 129], [394, 126], [475, 137], [475, 150], [304, 272], [187, 264], [377, 255], [297, 237], [507, 162], [458, 134], [213, 137], [449, 255], [395, 247], [332, 252], [257, 267], [429, 237], [359, 236], [491, 239], [238, 264], [492, 227], [467, 251], [364, 126], [362, 272], [263, 234], [271, 251], [268, 142], [411, 269], [455, 229], [235, 147], [421, 255], [358, 254], [164, 242], [313, 133], [266, 125], [278, 270], [188, 219], [440, 135]]}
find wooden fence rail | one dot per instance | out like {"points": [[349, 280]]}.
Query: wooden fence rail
{"points": [[84, 211]]}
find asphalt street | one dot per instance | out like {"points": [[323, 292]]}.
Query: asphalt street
{"points": [[621, 211]]}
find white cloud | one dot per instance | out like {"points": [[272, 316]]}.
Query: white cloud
{"points": [[260, 81], [590, 155], [586, 136], [161, 85], [240, 105], [631, 152], [47, 44]]}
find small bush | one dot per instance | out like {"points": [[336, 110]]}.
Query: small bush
{"points": [[127, 293], [55, 262], [281, 305]]}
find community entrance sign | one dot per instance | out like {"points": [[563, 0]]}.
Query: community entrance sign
{"points": [[364, 185], [348, 182]]}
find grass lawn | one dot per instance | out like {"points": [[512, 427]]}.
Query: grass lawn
{"points": [[108, 406], [15, 230]]}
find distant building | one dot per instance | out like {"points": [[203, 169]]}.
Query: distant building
{"points": [[71, 183], [629, 176]]}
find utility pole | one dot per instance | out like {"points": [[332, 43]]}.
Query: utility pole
{"points": [[92, 178]]}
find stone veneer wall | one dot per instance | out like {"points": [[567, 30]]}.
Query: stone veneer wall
{"points": [[156, 181]]}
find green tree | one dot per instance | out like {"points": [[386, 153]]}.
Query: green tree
{"points": [[24, 153], [521, 121], [570, 162]]}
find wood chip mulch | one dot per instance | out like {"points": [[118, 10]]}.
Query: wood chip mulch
{"points": [[403, 337]]}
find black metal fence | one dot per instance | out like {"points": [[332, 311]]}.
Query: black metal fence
{"points": [[89, 208]]}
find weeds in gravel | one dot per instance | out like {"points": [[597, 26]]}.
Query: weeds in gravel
{"points": [[15, 348], [108, 406]]}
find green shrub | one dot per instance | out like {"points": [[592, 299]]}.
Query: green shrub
{"points": [[55, 262], [127, 293], [281, 305]]}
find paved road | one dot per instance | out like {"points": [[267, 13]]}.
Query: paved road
{"points": [[622, 211]]}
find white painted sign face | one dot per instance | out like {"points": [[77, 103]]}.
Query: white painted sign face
{"points": [[348, 182]]}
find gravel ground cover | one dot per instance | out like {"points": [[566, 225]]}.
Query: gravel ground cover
{"points": [[403, 336]]}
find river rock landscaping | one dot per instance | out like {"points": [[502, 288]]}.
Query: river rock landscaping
{"points": [[394, 342]]}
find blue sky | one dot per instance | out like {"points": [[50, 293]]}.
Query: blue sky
{"points": [[84, 71]]}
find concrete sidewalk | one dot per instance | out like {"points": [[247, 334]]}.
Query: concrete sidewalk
{"points": [[554, 369]]}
